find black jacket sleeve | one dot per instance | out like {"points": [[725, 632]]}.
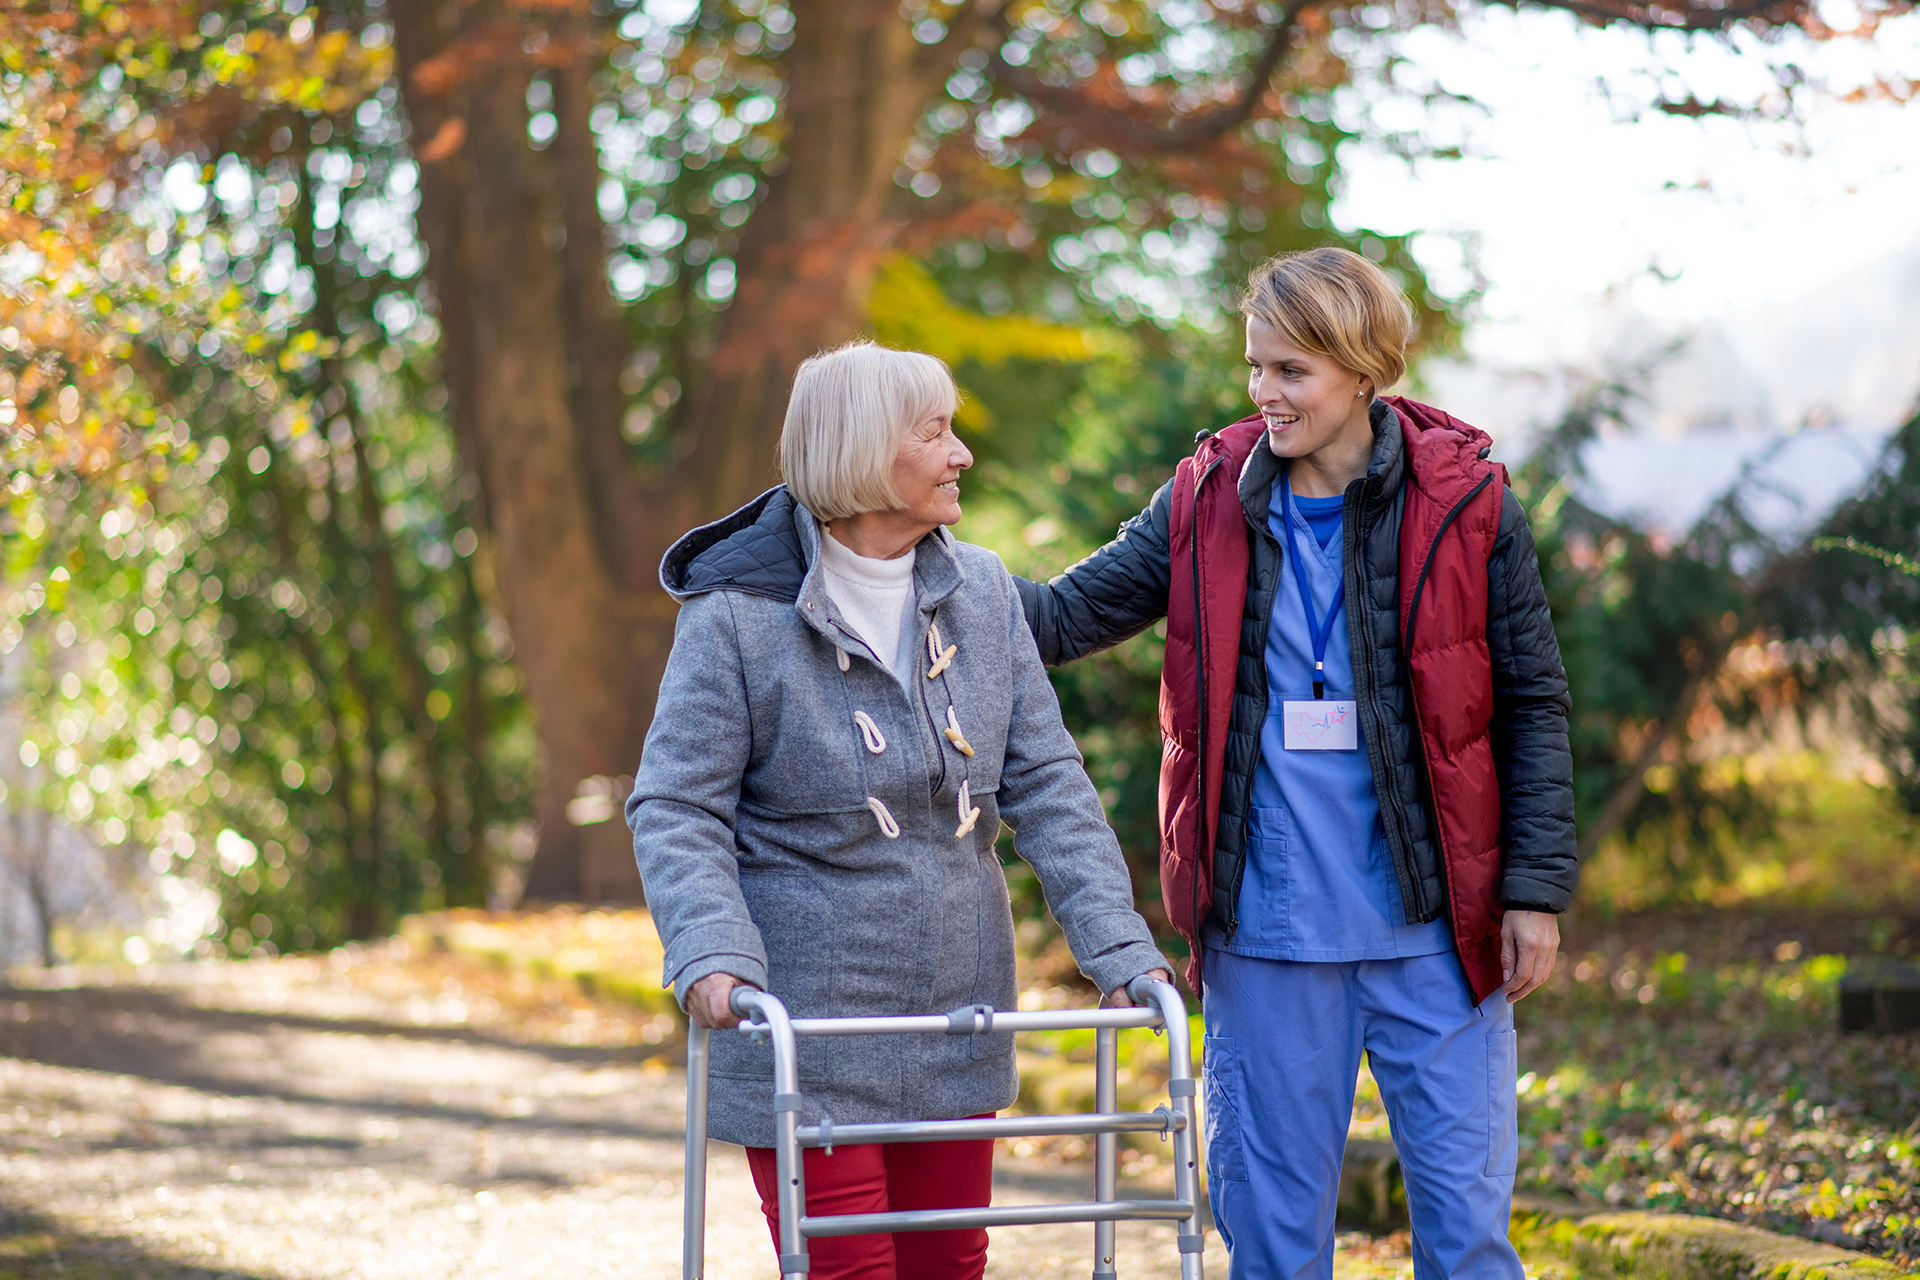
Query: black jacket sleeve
{"points": [[1530, 708], [1114, 594]]}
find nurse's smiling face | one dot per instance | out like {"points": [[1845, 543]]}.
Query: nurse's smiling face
{"points": [[1312, 404]]}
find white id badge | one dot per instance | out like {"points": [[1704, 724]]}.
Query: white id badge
{"points": [[1324, 724]]}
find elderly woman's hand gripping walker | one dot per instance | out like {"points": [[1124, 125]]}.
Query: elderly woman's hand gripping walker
{"points": [[853, 706]]}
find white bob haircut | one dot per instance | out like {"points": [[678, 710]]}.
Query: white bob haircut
{"points": [[849, 411]]}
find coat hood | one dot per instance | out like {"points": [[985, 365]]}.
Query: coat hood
{"points": [[768, 548], [757, 550]]}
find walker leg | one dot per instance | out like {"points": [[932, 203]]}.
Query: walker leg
{"points": [[792, 1196], [1186, 1140], [1106, 1056], [693, 1247]]}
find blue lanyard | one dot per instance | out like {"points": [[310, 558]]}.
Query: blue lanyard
{"points": [[1320, 631]]}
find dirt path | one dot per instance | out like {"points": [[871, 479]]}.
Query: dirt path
{"points": [[278, 1121]]}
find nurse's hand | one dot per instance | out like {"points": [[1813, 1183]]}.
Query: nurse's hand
{"points": [[1529, 941], [707, 1002], [1118, 997]]}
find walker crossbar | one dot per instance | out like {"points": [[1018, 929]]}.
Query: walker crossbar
{"points": [[845, 1135], [944, 1024], [1161, 1008], [1017, 1215]]}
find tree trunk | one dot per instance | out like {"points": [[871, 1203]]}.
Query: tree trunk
{"points": [[477, 724], [532, 347], [1668, 729], [38, 882], [494, 241]]}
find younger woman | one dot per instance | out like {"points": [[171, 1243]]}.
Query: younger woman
{"points": [[1366, 790]]}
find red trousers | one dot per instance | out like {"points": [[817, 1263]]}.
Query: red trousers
{"points": [[878, 1178]]}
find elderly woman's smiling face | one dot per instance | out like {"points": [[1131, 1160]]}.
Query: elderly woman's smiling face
{"points": [[925, 476], [926, 471]]}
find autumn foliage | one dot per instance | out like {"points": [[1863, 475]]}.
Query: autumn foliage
{"points": [[590, 241]]}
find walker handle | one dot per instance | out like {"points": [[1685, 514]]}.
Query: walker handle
{"points": [[1144, 990]]}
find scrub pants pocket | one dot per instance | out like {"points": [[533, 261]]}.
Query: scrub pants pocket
{"points": [[1220, 1079], [1503, 1137]]}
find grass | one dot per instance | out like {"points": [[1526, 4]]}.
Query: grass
{"points": [[1655, 1081], [1837, 843], [1687, 1054]]}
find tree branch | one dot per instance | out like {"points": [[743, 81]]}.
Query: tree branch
{"points": [[1631, 788], [1140, 135], [1687, 15]]}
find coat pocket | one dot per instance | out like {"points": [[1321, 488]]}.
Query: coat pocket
{"points": [[994, 977], [1503, 1132], [1221, 1092], [821, 774], [823, 743], [1271, 882]]}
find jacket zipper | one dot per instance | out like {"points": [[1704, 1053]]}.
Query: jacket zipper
{"points": [[1200, 679], [1376, 740], [1413, 687], [1266, 697]]}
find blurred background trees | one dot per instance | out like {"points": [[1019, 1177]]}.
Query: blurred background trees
{"points": [[358, 361], [246, 614]]}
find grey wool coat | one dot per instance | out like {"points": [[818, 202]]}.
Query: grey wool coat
{"points": [[806, 824]]}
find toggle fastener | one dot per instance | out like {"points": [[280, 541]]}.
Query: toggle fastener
{"points": [[957, 738]]}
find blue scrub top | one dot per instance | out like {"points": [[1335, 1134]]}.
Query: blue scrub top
{"points": [[1319, 881]]}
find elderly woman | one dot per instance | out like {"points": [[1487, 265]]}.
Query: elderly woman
{"points": [[853, 707]]}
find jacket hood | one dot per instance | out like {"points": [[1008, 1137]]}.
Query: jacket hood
{"points": [[769, 548], [757, 550], [1445, 456], [1426, 422]]}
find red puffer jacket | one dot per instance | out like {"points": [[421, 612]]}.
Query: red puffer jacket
{"points": [[1451, 517]]}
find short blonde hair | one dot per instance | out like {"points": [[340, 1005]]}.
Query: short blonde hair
{"points": [[1335, 303], [849, 410]]}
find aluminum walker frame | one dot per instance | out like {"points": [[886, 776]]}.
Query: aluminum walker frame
{"points": [[1158, 1006]]}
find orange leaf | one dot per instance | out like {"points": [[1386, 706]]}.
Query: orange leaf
{"points": [[445, 141]]}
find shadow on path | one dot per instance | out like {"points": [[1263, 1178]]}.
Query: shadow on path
{"points": [[170, 1003], [156, 1034], [33, 1247]]}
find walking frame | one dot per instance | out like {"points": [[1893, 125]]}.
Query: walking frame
{"points": [[1158, 1006]]}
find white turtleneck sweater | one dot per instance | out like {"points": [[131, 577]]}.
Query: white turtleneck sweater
{"points": [[875, 598]]}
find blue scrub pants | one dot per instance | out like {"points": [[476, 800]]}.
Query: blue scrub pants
{"points": [[1282, 1053]]}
